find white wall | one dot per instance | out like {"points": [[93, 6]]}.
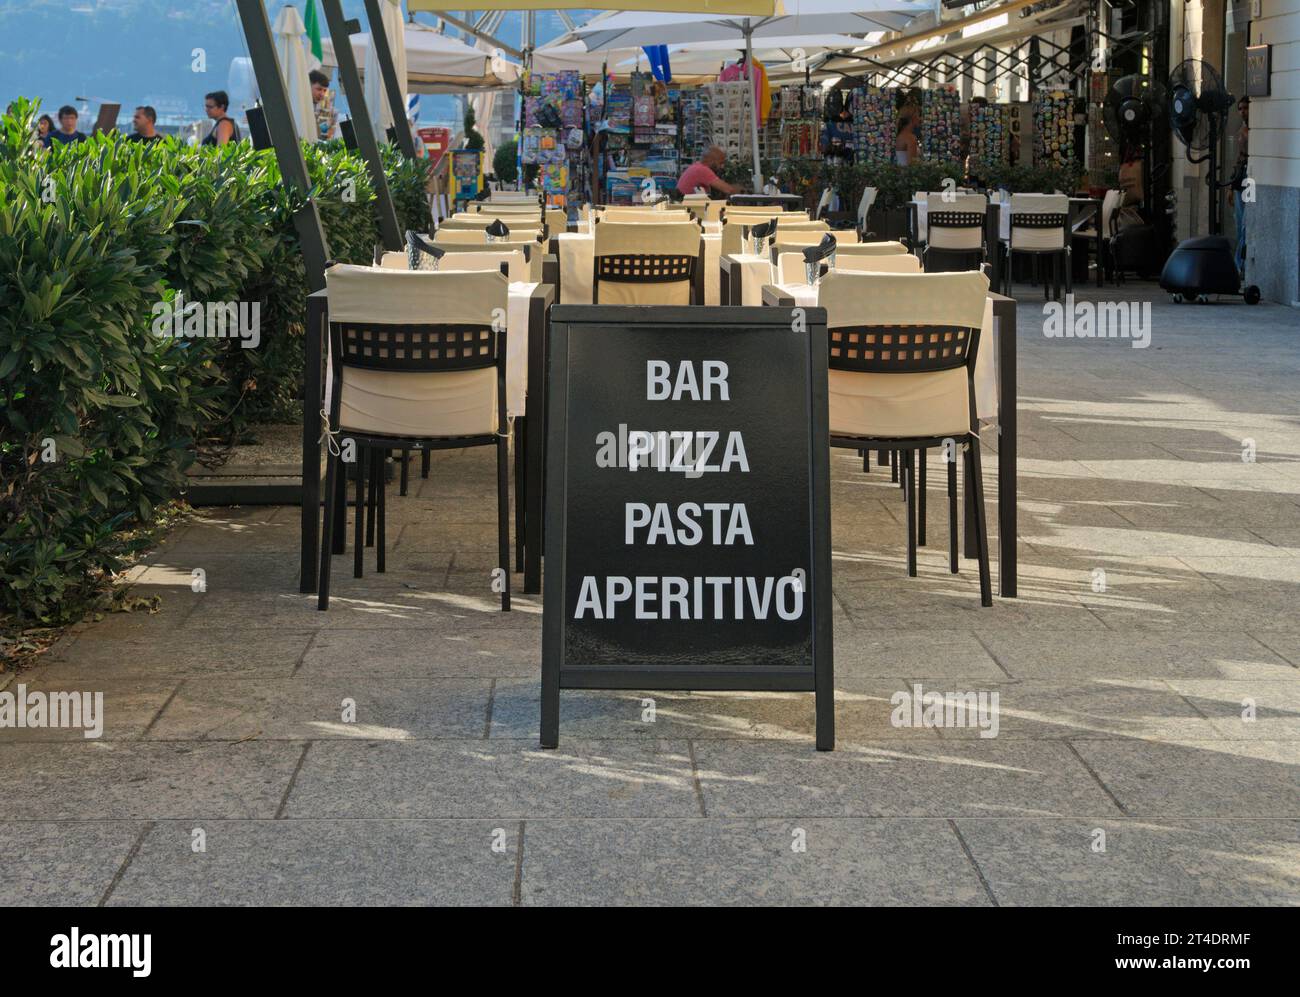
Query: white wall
{"points": [[1275, 120]]}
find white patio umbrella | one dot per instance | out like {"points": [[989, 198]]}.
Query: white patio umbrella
{"points": [[794, 19], [291, 47], [381, 115], [436, 63]]}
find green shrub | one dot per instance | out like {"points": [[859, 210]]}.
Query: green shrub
{"points": [[505, 162], [99, 416]]}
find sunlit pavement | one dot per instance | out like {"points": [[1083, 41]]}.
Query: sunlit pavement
{"points": [[1147, 739]]}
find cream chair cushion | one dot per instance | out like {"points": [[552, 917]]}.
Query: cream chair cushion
{"points": [[885, 406], [447, 235], [642, 239], [487, 260], [531, 267], [870, 249], [790, 266], [417, 403], [965, 238], [1023, 237]]}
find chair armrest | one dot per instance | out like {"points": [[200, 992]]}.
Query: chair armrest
{"points": [[775, 296]]}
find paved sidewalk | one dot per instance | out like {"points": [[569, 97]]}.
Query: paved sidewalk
{"points": [[1122, 771]]}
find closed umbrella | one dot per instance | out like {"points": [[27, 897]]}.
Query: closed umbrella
{"points": [[381, 115], [291, 47]]}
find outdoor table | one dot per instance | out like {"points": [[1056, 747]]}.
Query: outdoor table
{"points": [[577, 261], [995, 394], [742, 277], [791, 202], [526, 332]]}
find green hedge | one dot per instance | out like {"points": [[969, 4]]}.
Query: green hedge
{"points": [[99, 416]]}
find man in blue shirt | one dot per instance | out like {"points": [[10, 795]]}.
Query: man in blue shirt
{"points": [[66, 133]]}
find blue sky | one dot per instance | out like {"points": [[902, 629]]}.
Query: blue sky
{"points": [[140, 51]]}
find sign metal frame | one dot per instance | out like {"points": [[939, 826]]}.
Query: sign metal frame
{"points": [[556, 673]]}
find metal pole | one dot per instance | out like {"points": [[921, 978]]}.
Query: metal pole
{"points": [[381, 45], [279, 122], [753, 123], [340, 30]]}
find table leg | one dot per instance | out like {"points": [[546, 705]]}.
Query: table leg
{"points": [[535, 447], [1005, 315], [311, 427], [993, 244]]}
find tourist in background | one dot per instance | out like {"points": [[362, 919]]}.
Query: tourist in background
{"points": [[225, 130], [322, 102], [66, 133], [145, 121], [44, 125]]}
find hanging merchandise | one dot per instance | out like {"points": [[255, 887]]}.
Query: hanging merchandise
{"points": [[1053, 128], [697, 122], [989, 137], [941, 124], [873, 124], [553, 112]]}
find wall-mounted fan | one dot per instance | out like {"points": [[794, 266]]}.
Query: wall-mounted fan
{"points": [[1198, 110]]}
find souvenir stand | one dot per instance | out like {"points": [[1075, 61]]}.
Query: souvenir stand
{"points": [[553, 135]]}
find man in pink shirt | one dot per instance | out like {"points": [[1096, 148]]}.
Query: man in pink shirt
{"points": [[703, 174]]}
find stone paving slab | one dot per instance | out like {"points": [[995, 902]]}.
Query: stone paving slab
{"points": [[876, 863], [1148, 863], [479, 652], [273, 654], [1221, 778], [62, 863], [984, 778], [323, 863], [1107, 655], [207, 709], [122, 711], [104, 779], [583, 778]]}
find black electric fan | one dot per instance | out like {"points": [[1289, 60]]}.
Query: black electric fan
{"points": [[1198, 110]]}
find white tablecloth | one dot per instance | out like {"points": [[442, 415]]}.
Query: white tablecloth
{"points": [[986, 383], [577, 257], [516, 351]]}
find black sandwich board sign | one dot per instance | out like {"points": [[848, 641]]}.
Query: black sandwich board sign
{"points": [[687, 534]]}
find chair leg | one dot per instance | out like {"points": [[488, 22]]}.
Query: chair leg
{"points": [[882, 458], [359, 521], [341, 509], [893, 467], [379, 486], [952, 514], [406, 464], [333, 471], [909, 478], [1067, 262], [920, 499], [866, 461], [424, 463], [520, 430], [374, 462], [503, 518], [975, 476]]}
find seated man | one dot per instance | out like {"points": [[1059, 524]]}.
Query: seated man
{"points": [[703, 174]]}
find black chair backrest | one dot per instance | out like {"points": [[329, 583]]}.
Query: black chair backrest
{"points": [[416, 348], [902, 349]]}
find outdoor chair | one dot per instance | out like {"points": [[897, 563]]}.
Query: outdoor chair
{"points": [[398, 381], [902, 359], [636, 263], [955, 228], [1040, 229], [790, 265], [864, 209], [705, 210], [1102, 230]]}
